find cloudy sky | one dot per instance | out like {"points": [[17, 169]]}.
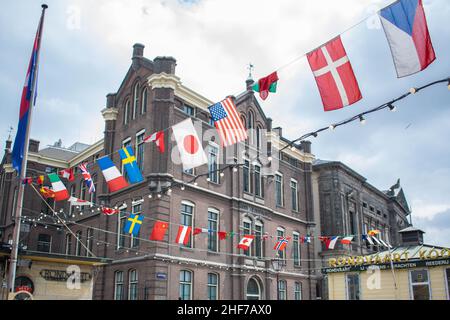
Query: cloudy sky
{"points": [[87, 47]]}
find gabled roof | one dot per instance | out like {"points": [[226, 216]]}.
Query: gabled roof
{"points": [[58, 153]]}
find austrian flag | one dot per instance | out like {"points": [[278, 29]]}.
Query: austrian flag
{"points": [[334, 75], [184, 234]]}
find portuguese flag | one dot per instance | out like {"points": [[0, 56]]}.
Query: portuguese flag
{"points": [[266, 85], [58, 187]]}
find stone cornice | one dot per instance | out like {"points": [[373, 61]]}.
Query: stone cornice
{"points": [[8, 168], [110, 114]]}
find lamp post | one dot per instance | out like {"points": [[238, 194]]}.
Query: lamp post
{"points": [[277, 265]]}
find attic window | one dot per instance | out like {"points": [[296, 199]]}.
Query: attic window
{"points": [[371, 208]]}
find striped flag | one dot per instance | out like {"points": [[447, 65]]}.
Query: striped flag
{"points": [[58, 187], [227, 122], [113, 177], [367, 238], [347, 240], [78, 202], [331, 242], [184, 234], [87, 177], [281, 244]]}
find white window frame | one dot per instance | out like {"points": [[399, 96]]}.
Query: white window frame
{"points": [[279, 174], [279, 289], [89, 241], [257, 190], [259, 223], [249, 251], [216, 286], [68, 244], [138, 134], [411, 285], [259, 289], [346, 285], [78, 240], [191, 283], [211, 146], [296, 209], [134, 204], [134, 282], [119, 229], [299, 292], [118, 283], [296, 248], [124, 143], [283, 230], [214, 210], [126, 111], [191, 204], [136, 99]]}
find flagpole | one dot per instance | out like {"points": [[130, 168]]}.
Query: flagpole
{"points": [[20, 194]]}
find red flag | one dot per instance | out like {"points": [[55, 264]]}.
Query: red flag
{"points": [[67, 173], [158, 138], [109, 211], [184, 235], [334, 75], [159, 230], [222, 235], [266, 85], [40, 180]]}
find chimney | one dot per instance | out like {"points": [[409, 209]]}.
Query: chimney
{"points": [[411, 236], [110, 100], [138, 50], [305, 146], [8, 145], [165, 64], [249, 83], [33, 146], [269, 124]]}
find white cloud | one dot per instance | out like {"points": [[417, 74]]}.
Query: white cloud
{"points": [[427, 209]]}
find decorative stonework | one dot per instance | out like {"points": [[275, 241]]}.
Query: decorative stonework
{"points": [[110, 114]]}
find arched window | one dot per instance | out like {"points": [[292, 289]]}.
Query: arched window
{"points": [[144, 101], [118, 285], [258, 137], [132, 284], [185, 285], [250, 127], [135, 100], [253, 290], [68, 244], [78, 244], [126, 112]]}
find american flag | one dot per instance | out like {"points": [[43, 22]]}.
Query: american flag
{"points": [[227, 122], [87, 177]]}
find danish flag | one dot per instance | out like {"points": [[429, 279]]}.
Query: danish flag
{"points": [[334, 75]]}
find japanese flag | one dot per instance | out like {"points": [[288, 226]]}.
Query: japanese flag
{"points": [[189, 145]]}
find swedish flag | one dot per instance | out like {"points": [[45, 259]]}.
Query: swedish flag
{"points": [[130, 164], [133, 224]]}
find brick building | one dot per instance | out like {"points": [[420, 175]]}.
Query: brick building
{"points": [[270, 193]]}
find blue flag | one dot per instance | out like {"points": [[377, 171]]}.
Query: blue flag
{"points": [[130, 164], [133, 224]]}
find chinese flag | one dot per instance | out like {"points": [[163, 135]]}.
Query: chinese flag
{"points": [[159, 230]]}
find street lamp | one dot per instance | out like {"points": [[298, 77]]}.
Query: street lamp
{"points": [[277, 265]]}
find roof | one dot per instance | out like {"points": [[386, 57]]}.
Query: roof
{"points": [[79, 147], [413, 251], [64, 154], [409, 229]]}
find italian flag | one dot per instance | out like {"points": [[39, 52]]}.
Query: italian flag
{"points": [[266, 85], [58, 187]]}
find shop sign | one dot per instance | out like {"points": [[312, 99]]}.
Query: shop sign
{"points": [[62, 276]]}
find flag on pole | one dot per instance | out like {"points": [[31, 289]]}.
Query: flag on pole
{"points": [[347, 240], [67, 174], [78, 202], [159, 230], [112, 175], [281, 244], [331, 242], [158, 138], [87, 177], [133, 224], [376, 240], [183, 235], [27, 101], [40, 180], [383, 243], [228, 122], [266, 85], [58, 187], [189, 145], [373, 232], [245, 242], [367, 238], [334, 75], [406, 30], [130, 164], [47, 192]]}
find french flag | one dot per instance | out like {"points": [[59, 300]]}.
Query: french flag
{"points": [[113, 177], [407, 33]]}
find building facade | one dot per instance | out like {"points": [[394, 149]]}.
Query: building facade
{"points": [[268, 193], [346, 204]]}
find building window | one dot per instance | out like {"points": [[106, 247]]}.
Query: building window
{"points": [[135, 100], [246, 173], [122, 219], [279, 189], [247, 229], [298, 291], [259, 232], [187, 218], [89, 241], [253, 290], [132, 285], [258, 137], [352, 223], [68, 249], [72, 194], [118, 285], [213, 286], [189, 171], [281, 234], [353, 292], [78, 243], [213, 221], [296, 249], [44, 243], [447, 275], [294, 194], [250, 127], [137, 209], [140, 145], [185, 285], [82, 190], [126, 112], [213, 163], [258, 181], [190, 111], [420, 284], [144, 101], [282, 294]]}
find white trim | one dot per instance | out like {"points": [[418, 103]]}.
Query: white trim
{"points": [[140, 132], [428, 283], [212, 209], [136, 202], [188, 203], [259, 289]]}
